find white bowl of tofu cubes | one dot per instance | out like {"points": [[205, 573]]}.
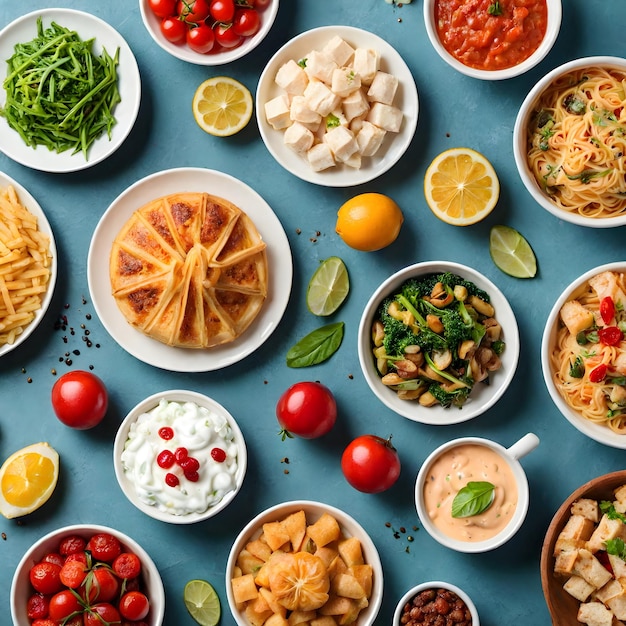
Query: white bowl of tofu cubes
{"points": [[337, 106]]}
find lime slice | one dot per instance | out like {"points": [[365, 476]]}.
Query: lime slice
{"points": [[328, 287], [511, 252], [202, 602]]}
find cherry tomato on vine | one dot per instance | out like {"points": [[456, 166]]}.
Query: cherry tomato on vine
{"points": [[104, 547], [73, 573], [45, 577], [103, 585], [54, 557], [201, 38], [226, 36], [62, 605], [246, 22], [370, 464], [127, 565], [71, 545], [193, 10], [306, 409], [163, 8], [134, 605], [174, 30], [80, 399], [101, 613]]}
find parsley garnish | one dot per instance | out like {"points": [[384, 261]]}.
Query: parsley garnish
{"points": [[616, 547], [608, 508], [495, 9]]}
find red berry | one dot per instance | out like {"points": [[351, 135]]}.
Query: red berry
{"points": [[193, 477], [165, 459], [166, 433], [181, 454], [171, 480], [218, 455], [190, 464]]}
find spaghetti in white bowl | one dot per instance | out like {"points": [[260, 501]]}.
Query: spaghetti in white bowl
{"points": [[583, 354], [569, 142]]}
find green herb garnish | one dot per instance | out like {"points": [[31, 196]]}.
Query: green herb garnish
{"points": [[586, 175], [317, 346], [332, 121], [577, 368], [495, 9], [473, 499], [302, 62], [608, 508], [616, 547]]}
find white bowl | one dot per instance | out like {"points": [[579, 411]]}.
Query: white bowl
{"points": [[511, 457], [182, 396], [313, 511], [519, 143], [27, 200], [394, 145], [482, 397], [434, 584], [598, 432], [552, 30], [185, 53], [21, 588]]}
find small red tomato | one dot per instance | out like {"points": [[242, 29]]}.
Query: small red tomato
{"points": [[134, 605], [101, 613], [127, 565], [63, 604], [37, 606], [71, 545], [72, 574], [607, 309], [370, 464], [306, 409], [598, 374], [80, 399], [194, 11], [226, 36], [44, 622], [260, 5], [162, 8], [174, 30], [54, 557], [104, 547], [201, 38], [45, 577], [102, 585], [246, 22], [610, 335], [222, 11]]}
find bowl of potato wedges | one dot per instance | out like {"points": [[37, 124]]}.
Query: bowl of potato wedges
{"points": [[304, 560]]}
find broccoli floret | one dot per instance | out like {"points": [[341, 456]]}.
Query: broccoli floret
{"points": [[449, 398], [415, 288], [458, 325]]}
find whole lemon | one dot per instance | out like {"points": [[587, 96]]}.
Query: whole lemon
{"points": [[369, 221]]}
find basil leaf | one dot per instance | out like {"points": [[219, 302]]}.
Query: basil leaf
{"points": [[317, 346], [473, 499]]}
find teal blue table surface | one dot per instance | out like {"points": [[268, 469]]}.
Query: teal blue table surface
{"points": [[454, 111]]}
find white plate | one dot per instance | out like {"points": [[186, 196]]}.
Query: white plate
{"points": [[150, 350], [394, 145], [87, 26], [27, 200]]}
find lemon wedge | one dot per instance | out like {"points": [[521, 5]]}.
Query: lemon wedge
{"points": [[27, 479], [222, 106]]}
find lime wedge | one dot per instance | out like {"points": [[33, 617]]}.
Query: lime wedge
{"points": [[328, 287], [202, 602], [511, 252]]}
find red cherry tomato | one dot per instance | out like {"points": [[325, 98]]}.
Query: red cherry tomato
{"points": [[201, 38], [260, 5], [104, 547], [194, 11], [63, 604], [226, 36], [45, 577], [246, 22], [162, 8], [72, 574], [174, 30], [610, 335], [80, 399], [101, 613], [598, 374], [37, 606], [370, 464], [44, 622], [306, 409], [54, 557], [607, 309], [71, 545], [222, 10], [134, 605], [102, 585], [127, 565]]}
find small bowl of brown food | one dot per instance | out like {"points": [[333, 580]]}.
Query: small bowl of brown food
{"points": [[436, 602]]}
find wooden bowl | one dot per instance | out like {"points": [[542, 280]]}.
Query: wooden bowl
{"points": [[562, 606]]}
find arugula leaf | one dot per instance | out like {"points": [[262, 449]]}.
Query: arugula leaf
{"points": [[616, 547], [473, 499], [608, 508], [317, 346]]}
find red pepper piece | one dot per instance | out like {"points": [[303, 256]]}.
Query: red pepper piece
{"points": [[607, 309], [597, 374], [610, 335]]}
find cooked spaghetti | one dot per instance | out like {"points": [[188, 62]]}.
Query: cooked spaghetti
{"points": [[589, 356], [576, 142]]}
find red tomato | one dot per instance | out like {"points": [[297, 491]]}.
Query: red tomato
{"points": [[246, 22], [226, 36], [306, 409], [80, 399], [44, 622], [162, 8], [222, 10], [63, 604], [72, 574], [37, 606], [102, 585], [71, 545], [598, 374], [127, 565], [607, 309], [54, 557], [260, 5], [45, 577], [201, 38], [610, 335], [174, 30], [134, 605], [194, 11], [104, 547], [370, 464], [101, 613]]}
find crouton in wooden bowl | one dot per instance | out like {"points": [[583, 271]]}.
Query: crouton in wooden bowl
{"points": [[581, 558]]}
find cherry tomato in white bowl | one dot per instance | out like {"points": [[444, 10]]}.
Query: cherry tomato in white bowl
{"points": [[370, 464], [307, 410], [80, 399]]}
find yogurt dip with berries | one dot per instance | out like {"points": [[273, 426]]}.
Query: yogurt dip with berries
{"points": [[181, 458]]}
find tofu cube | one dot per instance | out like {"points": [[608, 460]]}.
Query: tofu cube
{"points": [[617, 604], [355, 105], [298, 137], [320, 157], [620, 500], [618, 565], [320, 98], [366, 63], [300, 112], [355, 161], [292, 78], [612, 589], [586, 507], [383, 88], [357, 123], [342, 142], [345, 81], [339, 50], [605, 530], [277, 112], [385, 116], [565, 561], [335, 118], [370, 138], [320, 66], [588, 567], [594, 614], [578, 588], [575, 533]]}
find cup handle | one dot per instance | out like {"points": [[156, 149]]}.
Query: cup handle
{"points": [[525, 445]]}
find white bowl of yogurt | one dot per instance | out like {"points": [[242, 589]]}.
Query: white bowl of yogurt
{"points": [[471, 493], [180, 457]]}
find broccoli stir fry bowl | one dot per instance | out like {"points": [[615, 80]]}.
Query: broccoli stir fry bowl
{"points": [[438, 343]]}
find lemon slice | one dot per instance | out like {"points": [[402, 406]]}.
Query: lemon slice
{"points": [[328, 287], [202, 602], [222, 106], [511, 252], [461, 186], [27, 479]]}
